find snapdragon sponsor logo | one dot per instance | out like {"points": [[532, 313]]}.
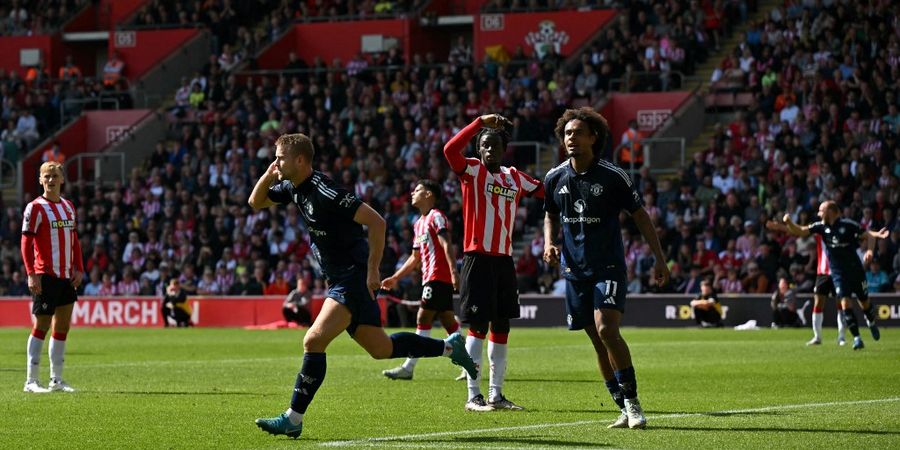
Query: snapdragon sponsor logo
{"points": [[581, 219]]}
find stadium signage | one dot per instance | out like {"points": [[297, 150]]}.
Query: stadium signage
{"points": [[116, 312], [652, 119], [492, 22]]}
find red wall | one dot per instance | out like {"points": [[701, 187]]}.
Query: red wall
{"points": [[145, 311], [344, 40], [511, 29], [456, 7], [50, 46], [98, 17], [120, 10], [621, 108], [90, 132], [151, 47]]}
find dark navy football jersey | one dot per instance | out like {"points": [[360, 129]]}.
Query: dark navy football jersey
{"points": [[338, 241], [841, 240], [588, 206]]}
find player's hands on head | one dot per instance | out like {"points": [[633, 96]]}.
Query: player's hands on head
{"points": [[495, 121], [77, 277], [34, 283], [273, 169], [551, 254], [662, 273]]}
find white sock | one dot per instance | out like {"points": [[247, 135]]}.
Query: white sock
{"points": [[474, 347], [842, 326], [294, 416], [57, 351], [410, 363], [33, 364], [817, 318], [497, 357]]}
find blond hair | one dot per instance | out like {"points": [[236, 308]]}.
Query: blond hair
{"points": [[297, 144], [52, 165]]}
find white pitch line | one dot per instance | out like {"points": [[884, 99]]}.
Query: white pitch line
{"points": [[385, 441]]}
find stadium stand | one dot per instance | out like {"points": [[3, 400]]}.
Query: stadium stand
{"points": [[810, 119]]}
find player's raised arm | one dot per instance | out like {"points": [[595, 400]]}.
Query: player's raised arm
{"points": [[367, 216], [453, 150], [793, 229], [259, 198]]}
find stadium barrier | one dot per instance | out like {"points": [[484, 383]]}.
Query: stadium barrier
{"points": [[535, 311]]}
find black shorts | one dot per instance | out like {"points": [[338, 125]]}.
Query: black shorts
{"points": [[55, 292], [852, 284], [488, 288], [824, 286], [437, 296]]}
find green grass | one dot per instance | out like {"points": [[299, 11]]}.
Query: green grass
{"points": [[177, 388]]}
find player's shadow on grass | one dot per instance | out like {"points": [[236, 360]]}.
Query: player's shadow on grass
{"points": [[186, 393], [779, 430], [550, 380], [476, 441]]}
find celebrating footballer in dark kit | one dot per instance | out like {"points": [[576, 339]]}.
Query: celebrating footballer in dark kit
{"points": [[586, 193], [335, 219]]}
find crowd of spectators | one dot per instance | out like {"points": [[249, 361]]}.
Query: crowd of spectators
{"points": [[34, 106], [379, 124], [35, 17]]}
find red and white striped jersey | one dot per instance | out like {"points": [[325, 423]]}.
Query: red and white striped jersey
{"points": [[434, 260], [490, 200], [56, 249], [822, 266]]}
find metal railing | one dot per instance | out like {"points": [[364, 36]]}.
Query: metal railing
{"points": [[65, 106], [7, 167], [99, 177], [539, 149], [654, 149]]}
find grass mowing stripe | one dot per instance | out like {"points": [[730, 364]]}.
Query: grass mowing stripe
{"points": [[368, 441]]}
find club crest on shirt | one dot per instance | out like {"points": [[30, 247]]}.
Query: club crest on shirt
{"points": [[596, 189], [309, 211]]}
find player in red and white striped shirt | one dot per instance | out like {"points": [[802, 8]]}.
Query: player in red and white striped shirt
{"points": [[53, 260], [431, 250], [488, 293]]}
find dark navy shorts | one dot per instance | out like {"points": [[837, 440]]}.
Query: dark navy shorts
{"points": [[351, 291], [584, 297], [846, 286]]}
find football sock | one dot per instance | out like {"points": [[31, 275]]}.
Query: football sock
{"points": [[616, 392], [474, 345], [414, 346], [57, 350], [311, 375], [817, 317], [850, 318], [497, 357], [628, 382], [870, 313], [841, 324], [35, 345], [294, 416], [421, 330], [453, 328]]}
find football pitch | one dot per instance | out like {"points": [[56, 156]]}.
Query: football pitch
{"points": [[187, 388]]}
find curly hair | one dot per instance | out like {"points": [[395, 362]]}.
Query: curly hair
{"points": [[595, 121]]}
